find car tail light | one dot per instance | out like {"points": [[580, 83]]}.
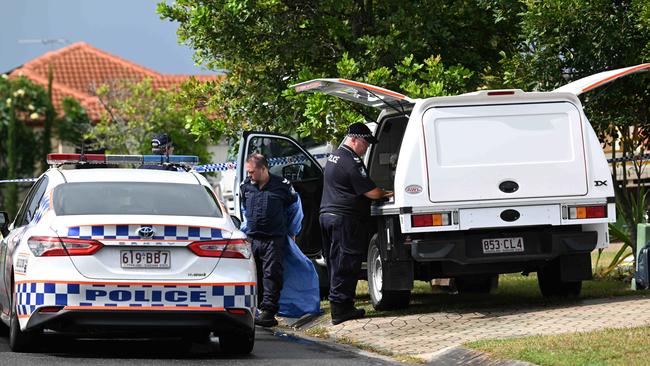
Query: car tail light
{"points": [[434, 219], [224, 248], [51, 246], [587, 212]]}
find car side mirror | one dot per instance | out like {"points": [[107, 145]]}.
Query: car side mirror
{"points": [[236, 221], [4, 223]]}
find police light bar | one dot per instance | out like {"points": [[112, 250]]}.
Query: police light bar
{"points": [[59, 159]]}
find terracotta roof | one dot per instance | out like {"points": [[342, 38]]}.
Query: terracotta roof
{"points": [[80, 67]]}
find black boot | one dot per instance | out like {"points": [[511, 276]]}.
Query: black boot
{"points": [[266, 319], [345, 311]]}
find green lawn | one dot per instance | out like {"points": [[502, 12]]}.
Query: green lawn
{"points": [[604, 347]]}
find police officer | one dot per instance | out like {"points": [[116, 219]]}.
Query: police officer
{"points": [[344, 215], [265, 198], [161, 144]]}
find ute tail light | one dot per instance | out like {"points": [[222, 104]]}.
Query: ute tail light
{"points": [[434, 219], [224, 248], [587, 212], [52, 246]]}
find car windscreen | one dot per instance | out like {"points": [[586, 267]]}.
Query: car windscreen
{"points": [[134, 198]]}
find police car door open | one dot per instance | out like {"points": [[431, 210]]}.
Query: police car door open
{"points": [[287, 159], [361, 93]]}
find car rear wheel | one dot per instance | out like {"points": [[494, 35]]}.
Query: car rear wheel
{"points": [[237, 344], [551, 284], [382, 299], [21, 341]]}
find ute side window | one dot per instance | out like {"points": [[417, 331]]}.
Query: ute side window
{"points": [[383, 161]]}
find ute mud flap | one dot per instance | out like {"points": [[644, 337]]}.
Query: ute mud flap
{"points": [[574, 267]]}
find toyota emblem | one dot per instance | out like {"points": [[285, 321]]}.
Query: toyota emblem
{"points": [[146, 232]]}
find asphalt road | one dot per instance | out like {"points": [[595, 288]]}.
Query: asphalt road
{"points": [[270, 349]]}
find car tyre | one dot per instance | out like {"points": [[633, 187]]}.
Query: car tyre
{"points": [[21, 341], [237, 344], [551, 284], [380, 298]]}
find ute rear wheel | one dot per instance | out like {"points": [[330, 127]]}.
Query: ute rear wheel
{"points": [[551, 284], [381, 298]]}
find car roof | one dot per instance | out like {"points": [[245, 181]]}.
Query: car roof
{"points": [[128, 175]]}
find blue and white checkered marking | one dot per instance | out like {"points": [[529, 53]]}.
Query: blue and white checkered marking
{"points": [[33, 295], [130, 232], [42, 208], [218, 167]]}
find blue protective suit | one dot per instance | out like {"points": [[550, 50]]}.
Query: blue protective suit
{"points": [[300, 293]]}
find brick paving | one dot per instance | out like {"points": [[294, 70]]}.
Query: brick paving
{"points": [[428, 335]]}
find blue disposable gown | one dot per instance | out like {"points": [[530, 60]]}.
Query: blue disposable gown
{"points": [[300, 293]]}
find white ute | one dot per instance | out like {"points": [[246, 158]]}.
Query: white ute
{"points": [[490, 182]]}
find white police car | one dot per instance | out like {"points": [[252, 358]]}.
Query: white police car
{"points": [[125, 250]]}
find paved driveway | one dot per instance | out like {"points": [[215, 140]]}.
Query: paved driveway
{"points": [[427, 335]]}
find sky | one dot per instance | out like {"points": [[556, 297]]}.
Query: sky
{"points": [[130, 29]]}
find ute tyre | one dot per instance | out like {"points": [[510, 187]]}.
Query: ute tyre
{"points": [[382, 299], [237, 344], [21, 341], [476, 284], [551, 285]]}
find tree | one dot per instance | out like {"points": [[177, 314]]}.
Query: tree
{"points": [[268, 45], [136, 111], [565, 40], [21, 101]]}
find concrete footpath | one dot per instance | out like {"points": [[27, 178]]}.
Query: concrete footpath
{"points": [[435, 337]]}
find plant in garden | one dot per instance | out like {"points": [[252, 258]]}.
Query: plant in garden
{"points": [[21, 102], [133, 112]]}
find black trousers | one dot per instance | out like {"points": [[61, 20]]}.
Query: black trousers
{"points": [[344, 244], [268, 253]]}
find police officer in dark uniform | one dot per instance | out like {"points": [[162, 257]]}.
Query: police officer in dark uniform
{"points": [[265, 198], [161, 144], [344, 215]]}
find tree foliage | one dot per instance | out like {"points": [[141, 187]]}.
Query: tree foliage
{"points": [[564, 40], [21, 101], [134, 112], [415, 46]]}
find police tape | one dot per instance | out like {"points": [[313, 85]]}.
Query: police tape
{"points": [[21, 180], [629, 158], [284, 160]]}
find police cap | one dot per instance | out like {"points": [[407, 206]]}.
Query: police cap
{"points": [[360, 130]]}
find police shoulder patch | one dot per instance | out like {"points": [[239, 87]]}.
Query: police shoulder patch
{"points": [[362, 171]]}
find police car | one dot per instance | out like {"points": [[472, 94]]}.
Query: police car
{"points": [[134, 251]]}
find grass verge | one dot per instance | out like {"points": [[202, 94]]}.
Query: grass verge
{"points": [[627, 346]]}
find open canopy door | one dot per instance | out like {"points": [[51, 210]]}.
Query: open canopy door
{"points": [[594, 81], [354, 91]]}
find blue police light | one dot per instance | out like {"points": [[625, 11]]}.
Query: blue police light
{"points": [[59, 159]]}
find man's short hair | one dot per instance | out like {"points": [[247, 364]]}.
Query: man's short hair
{"points": [[258, 160]]}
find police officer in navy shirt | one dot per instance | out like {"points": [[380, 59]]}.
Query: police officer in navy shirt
{"points": [[265, 198], [344, 215]]}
